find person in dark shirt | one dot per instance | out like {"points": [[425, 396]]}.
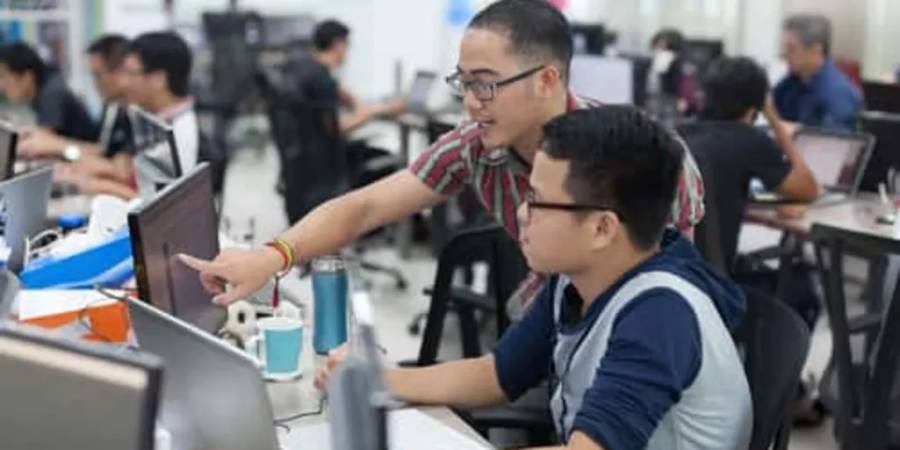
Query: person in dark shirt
{"points": [[24, 77], [735, 152], [313, 76], [105, 54], [815, 92]]}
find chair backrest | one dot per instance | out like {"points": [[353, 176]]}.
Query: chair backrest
{"points": [[507, 268], [310, 146], [707, 234], [775, 343]]}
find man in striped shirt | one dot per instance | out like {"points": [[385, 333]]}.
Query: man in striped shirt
{"points": [[512, 74]]}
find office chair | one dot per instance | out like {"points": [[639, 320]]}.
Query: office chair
{"points": [[314, 160], [775, 342]]}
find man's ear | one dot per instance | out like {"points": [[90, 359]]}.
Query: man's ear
{"points": [[158, 80], [548, 77], [606, 227]]}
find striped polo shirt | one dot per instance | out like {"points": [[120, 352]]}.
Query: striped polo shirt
{"points": [[499, 176]]}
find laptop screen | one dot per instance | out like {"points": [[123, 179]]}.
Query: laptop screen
{"points": [[421, 89], [8, 138], [181, 219], [836, 160]]}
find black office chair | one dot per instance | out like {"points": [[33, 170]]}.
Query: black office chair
{"points": [[707, 237], [314, 162], [506, 269], [775, 343], [860, 389]]}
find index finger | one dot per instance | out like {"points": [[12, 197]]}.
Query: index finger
{"points": [[200, 265]]}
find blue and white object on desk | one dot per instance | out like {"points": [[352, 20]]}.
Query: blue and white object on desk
{"points": [[106, 263]]}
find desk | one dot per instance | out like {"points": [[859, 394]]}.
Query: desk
{"points": [[300, 396], [856, 214]]}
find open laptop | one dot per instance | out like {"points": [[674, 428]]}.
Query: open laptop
{"points": [[180, 219], [23, 211], [836, 159], [58, 394], [417, 99], [9, 289], [213, 394], [156, 161], [9, 138]]}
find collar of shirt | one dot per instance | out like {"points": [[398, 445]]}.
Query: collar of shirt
{"points": [[169, 114], [506, 155]]}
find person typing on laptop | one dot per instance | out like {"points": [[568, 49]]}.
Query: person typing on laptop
{"points": [[735, 93], [632, 330], [317, 84]]}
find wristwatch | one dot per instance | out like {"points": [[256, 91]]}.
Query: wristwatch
{"points": [[72, 153]]}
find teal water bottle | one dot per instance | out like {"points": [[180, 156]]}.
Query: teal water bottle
{"points": [[329, 276]]}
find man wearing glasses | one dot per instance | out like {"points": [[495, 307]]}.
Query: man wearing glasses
{"points": [[512, 74], [632, 333]]}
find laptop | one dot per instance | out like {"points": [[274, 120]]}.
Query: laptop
{"points": [[9, 289], [180, 219], [417, 99], [9, 138], [156, 161], [836, 159], [213, 394], [23, 211], [59, 394]]}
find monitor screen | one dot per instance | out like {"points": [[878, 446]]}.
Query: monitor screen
{"points": [[835, 160], [23, 211], [181, 219], [156, 155], [8, 140], [44, 379]]}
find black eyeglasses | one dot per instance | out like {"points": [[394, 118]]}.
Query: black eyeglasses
{"points": [[481, 89], [530, 204]]}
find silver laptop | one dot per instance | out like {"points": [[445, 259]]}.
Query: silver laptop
{"points": [[213, 394], [417, 99], [23, 211], [9, 289], [69, 395], [836, 159]]}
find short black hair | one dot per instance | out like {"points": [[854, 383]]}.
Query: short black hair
{"points": [[19, 57], [168, 52], [535, 28], [732, 86], [673, 39], [622, 158], [111, 47], [328, 32]]}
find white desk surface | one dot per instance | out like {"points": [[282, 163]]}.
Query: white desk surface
{"points": [[857, 215], [300, 396]]}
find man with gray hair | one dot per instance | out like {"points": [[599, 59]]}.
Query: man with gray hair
{"points": [[815, 93]]}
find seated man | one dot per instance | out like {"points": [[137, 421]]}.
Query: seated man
{"points": [[157, 70], [815, 93], [318, 86], [632, 332], [85, 164], [735, 92], [24, 77], [106, 54]]}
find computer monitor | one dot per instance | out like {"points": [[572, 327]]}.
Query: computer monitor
{"points": [[884, 97], [23, 211], [886, 129], [836, 159], [608, 80], [156, 161], [181, 219], [417, 100], [702, 52], [8, 140], [60, 394], [589, 38]]}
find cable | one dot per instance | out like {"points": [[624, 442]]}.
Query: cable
{"points": [[280, 422]]}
